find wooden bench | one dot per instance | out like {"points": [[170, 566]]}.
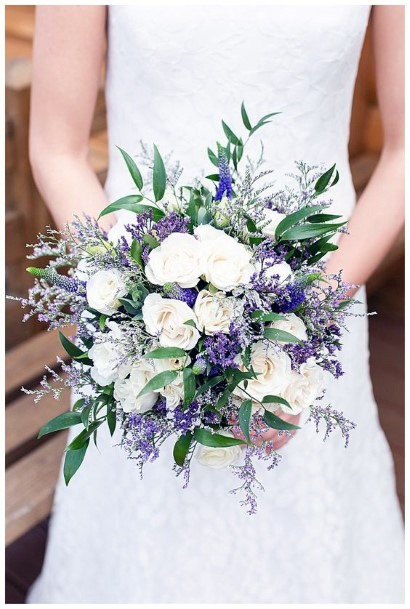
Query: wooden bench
{"points": [[31, 465]]}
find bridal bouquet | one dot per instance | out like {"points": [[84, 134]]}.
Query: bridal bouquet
{"points": [[206, 321]]}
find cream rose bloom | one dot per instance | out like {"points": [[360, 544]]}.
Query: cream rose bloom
{"points": [[218, 457], [108, 357], [176, 260], [270, 222], [214, 312], [282, 269], [225, 262], [292, 324], [173, 392], [103, 290], [170, 202], [126, 390], [166, 317], [273, 370], [304, 387]]}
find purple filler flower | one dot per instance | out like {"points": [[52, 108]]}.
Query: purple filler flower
{"points": [[187, 295], [222, 349], [173, 223], [225, 180]]}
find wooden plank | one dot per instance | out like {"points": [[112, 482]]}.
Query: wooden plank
{"points": [[30, 484], [25, 363], [15, 244], [24, 419]]}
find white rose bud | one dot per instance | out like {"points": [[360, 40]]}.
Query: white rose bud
{"points": [[273, 370], [270, 222], [225, 262], [166, 317], [304, 387], [218, 457], [103, 290], [214, 312], [126, 391], [176, 260], [282, 269], [292, 324]]}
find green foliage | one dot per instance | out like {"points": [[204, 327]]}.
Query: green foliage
{"points": [[63, 421], [276, 422], [132, 168], [245, 412], [159, 177], [158, 381], [215, 440], [280, 336], [181, 448]]}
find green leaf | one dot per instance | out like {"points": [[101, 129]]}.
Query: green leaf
{"points": [[165, 353], [263, 121], [70, 347], [79, 404], [73, 460], [215, 440], [223, 399], [111, 420], [181, 448], [136, 252], [101, 322], [262, 316], [149, 240], [318, 244], [85, 415], [190, 322], [189, 385], [324, 180], [130, 203], [323, 217], [215, 380], [280, 335], [158, 381], [245, 117], [213, 176], [83, 436], [244, 416], [132, 168], [213, 158], [328, 247], [275, 399], [159, 177], [344, 304], [307, 231], [129, 306], [295, 217], [276, 422], [230, 134], [63, 421]]}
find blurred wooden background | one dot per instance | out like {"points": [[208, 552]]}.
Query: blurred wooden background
{"points": [[32, 465]]}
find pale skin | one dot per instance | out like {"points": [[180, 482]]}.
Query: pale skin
{"points": [[67, 61]]}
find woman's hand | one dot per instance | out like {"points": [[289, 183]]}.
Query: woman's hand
{"points": [[279, 439]]}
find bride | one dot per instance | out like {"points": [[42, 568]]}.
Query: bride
{"points": [[329, 527]]}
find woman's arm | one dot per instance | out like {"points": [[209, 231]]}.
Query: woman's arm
{"points": [[379, 214], [67, 62]]}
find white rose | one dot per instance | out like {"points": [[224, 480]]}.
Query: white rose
{"points": [[225, 261], [304, 387], [126, 390], [218, 457], [282, 269], [214, 312], [173, 392], [103, 290], [176, 260], [108, 357], [166, 317], [292, 324], [270, 222], [273, 370]]}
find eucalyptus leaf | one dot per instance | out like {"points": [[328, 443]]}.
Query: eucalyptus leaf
{"points": [[215, 380], [70, 347], [136, 252], [159, 177], [83, 436], [151, 241], [244, 416], [296, 217], [261, 316], [111, 420], [245, 117], [132, 168], [190, 322], [280, 335], [275, 399], [165, 353], [324, 180], [158, 381], [181, 448], [189, 385], [63, 421], [276, 422], [132, 203], [73, 460], [234, 139], [215, 440], [307, 231], [213, 158]]}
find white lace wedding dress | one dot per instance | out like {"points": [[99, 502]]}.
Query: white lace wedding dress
{"points": [[329, 527]]}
